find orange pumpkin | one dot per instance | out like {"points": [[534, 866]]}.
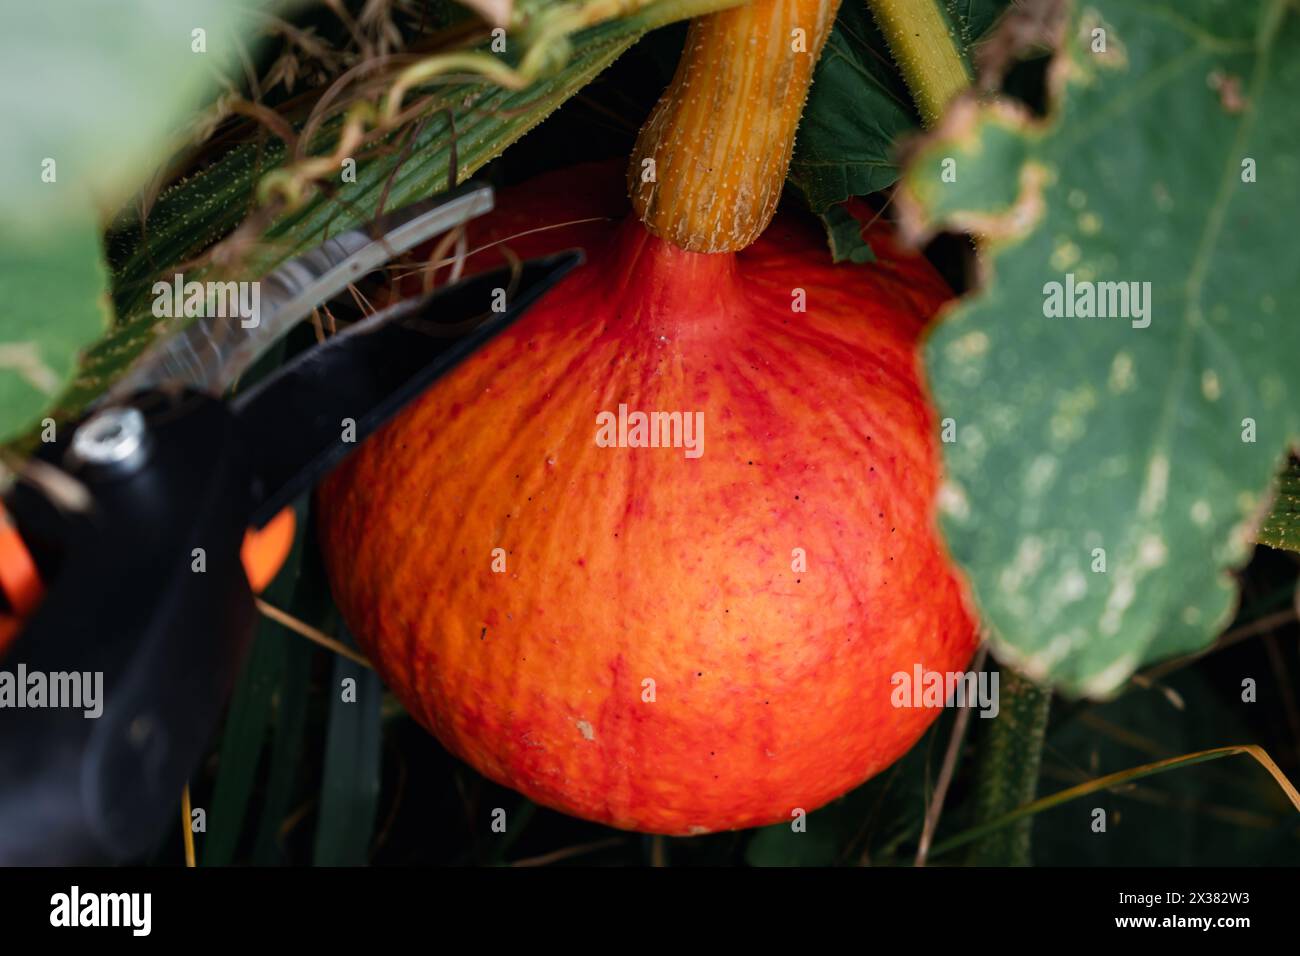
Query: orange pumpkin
{"points": [[641, 636]]}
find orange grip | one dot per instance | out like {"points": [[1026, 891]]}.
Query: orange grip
{"points": [[265, 549], [20, 581]]}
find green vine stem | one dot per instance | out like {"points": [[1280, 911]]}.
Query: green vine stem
{"points": [[921, 41], [1010, 753]]}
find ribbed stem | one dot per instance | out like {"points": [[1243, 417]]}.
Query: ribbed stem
{"points": [[709, 164]]}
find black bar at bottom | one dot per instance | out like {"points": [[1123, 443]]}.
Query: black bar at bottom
{"points": [[441, 908]]}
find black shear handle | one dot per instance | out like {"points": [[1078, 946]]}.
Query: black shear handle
{"points": [[147, 598], [148, 614]]}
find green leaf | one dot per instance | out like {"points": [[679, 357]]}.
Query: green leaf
{"points": [[243, 742], [258, 694], [844, 234], [1281, 529], [859, 109], [53, 301], [285, 755], [974, 19], [353, 751], [1083, 440], [311, 602]]}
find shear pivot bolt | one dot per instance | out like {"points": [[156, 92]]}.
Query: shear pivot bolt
{"points": [[113, 438]]}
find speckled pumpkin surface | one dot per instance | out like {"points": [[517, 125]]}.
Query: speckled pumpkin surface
{"points": [[663, 642]]}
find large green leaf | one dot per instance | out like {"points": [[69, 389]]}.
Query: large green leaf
{"points": [[95, 91], [1083, 438], [98, 88]]}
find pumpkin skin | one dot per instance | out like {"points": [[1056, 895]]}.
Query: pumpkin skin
{"points": [[771, 686]]}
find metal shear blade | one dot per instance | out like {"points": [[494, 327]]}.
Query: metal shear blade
{"points": [[210, 354]]}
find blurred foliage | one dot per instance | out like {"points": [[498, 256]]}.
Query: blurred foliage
{"points": [[101, 94], [108, 88], [53, 301]]}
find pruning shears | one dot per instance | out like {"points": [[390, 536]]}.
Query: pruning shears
{"points": [[133, 544]]}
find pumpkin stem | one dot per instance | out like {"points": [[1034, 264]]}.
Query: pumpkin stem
{"points": [[710, 162]]}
